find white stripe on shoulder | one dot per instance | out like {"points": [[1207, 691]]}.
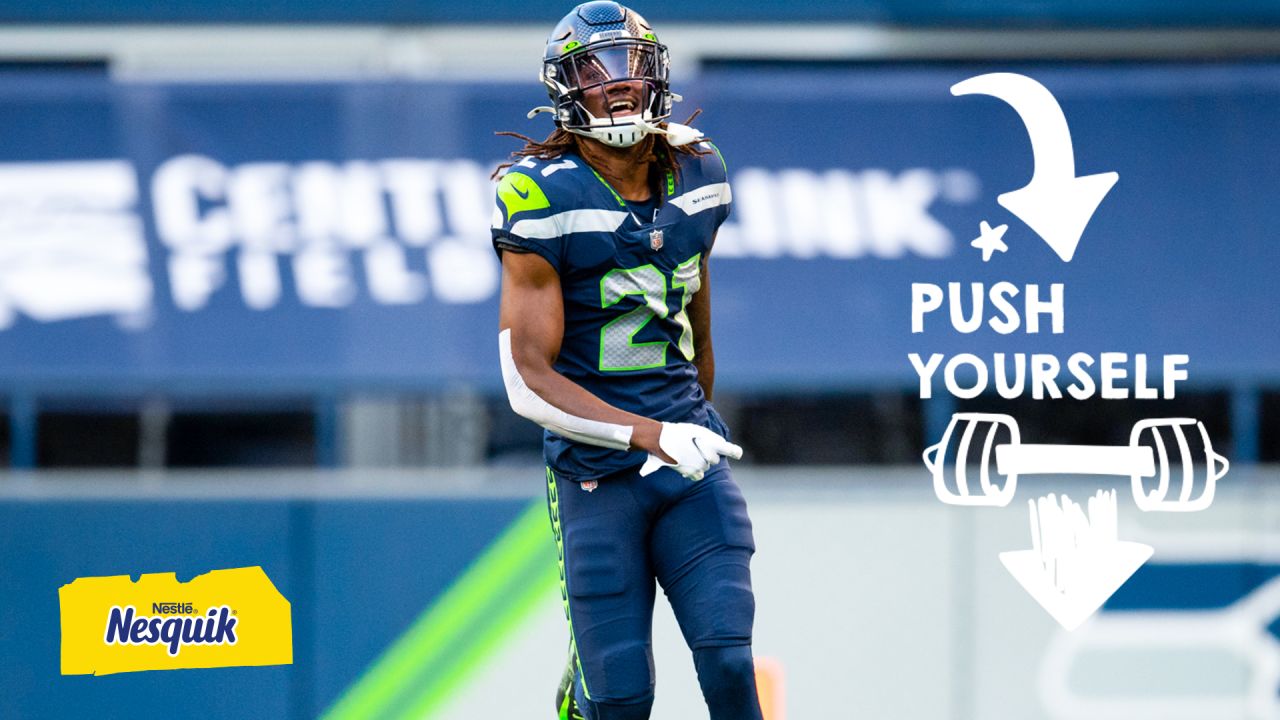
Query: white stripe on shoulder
{"points": [[569, 222], [707, 196]]}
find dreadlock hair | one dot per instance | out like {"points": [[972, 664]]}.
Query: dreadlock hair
{"points": [[561, 141]]}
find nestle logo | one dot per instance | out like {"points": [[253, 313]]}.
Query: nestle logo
{"points": [[171, 608]]}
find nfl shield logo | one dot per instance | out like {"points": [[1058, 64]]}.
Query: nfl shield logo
{"points": [[590, 485], [655, 240]]}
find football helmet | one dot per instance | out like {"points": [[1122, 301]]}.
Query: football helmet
{"points": [[607, 77]]}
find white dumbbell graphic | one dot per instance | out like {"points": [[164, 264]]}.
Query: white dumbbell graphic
{"points": [[1013, 458]]}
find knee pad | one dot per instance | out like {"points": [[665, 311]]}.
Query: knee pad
{"points": [[728, 679], [620, 682], [615, 710]]}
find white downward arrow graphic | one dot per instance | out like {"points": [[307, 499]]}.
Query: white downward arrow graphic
{"points": [[1076, 560], [1056, 204]]}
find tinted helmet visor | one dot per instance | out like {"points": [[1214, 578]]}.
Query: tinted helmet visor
{"points": [[596, 66]]}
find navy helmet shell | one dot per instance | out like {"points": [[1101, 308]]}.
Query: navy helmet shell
{"points": [[594, 21]]}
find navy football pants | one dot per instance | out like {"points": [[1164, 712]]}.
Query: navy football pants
{"points": [[694, 539]]}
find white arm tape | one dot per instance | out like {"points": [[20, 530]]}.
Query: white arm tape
{"points": [[527, 404]]}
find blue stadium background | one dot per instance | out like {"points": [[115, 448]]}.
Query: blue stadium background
{"points": [[247, 309]]}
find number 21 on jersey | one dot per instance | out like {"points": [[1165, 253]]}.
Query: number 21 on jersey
{"points": [[618, 348]]}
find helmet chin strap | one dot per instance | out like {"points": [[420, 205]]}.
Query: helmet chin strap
{"points": [[619, 136], [630, 133]]}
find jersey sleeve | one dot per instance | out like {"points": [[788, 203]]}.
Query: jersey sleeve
{"points": [[523, 220], [716, 171]]}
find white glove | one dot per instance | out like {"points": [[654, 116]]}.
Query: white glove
{"points": [[693, 447]]}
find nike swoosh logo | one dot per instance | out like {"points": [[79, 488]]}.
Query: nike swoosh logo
{"points": [[523, 195]]}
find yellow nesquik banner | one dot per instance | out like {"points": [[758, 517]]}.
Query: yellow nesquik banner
{"points": [[223, 618]]}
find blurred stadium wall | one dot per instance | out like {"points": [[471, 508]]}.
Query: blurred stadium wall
{"points": [[247, 313]]}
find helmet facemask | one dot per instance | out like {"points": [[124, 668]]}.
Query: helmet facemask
{"points": [[614, 91]]}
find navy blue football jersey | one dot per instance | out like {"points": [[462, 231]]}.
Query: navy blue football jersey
{"points": [[627, 273]]}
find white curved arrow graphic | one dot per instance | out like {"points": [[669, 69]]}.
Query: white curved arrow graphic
{"points": [[1056, 204]]}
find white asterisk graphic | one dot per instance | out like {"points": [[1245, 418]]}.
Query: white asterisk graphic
{"points": [[990, 240]]}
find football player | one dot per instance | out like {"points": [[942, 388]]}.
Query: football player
{"points": [[604, 230]]}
